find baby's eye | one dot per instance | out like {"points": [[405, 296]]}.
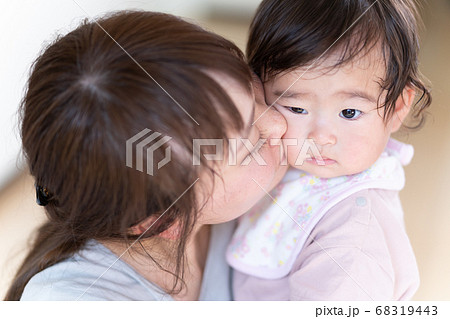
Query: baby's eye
{"points": [[350, 114], [297, 110]]}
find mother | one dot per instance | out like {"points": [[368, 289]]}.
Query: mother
{"points": [[115, 233]]}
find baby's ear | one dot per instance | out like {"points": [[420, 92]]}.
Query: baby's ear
{"points": [[402, 107]]}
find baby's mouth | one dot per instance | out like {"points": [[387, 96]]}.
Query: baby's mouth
{"points": [[321, 161]]}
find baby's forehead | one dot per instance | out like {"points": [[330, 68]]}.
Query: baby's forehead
{"points": [[367, 67], [336, 60], [361, 77]]}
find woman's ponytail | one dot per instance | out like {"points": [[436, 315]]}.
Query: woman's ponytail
{"points": [[50, 247]]}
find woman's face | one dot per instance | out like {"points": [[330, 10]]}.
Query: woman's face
{"points": [[239, 184]]}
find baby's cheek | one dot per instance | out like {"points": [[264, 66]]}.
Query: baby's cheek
{"points": [[354, 152], [361, 157], [295, 130]]}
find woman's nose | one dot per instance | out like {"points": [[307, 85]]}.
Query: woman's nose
{"points": [[270, 122]]}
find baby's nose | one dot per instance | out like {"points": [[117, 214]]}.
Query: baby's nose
{"points": [[322, 134]]}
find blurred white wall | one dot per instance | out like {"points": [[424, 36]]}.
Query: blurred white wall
{"points": [[27, 24]]}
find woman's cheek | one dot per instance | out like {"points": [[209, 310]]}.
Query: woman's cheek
{"points": [[270, 174]]}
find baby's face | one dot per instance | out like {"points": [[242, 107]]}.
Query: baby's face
{"points": [[337, 109]]}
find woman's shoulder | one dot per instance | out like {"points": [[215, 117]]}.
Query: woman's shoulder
{"points": [[94, 273]]}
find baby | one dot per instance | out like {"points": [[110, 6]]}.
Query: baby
{"points": [[345, 75]]}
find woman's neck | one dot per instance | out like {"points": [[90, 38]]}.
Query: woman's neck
{"points": [[155, 260], [196, 254]]}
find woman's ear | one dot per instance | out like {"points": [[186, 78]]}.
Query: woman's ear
{"points": [[142, 227], [402, 107], [173, 232]]}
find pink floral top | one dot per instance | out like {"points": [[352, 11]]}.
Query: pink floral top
{"points": [[270, 239]]}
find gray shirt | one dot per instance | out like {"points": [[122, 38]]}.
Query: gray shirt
{"points": [[95, 273]]}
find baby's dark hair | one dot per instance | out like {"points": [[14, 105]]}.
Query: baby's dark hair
{"points": [[288, 34]]}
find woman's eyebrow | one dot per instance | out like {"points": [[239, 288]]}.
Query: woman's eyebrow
{"points": [[250, 123], [252, 116], [248, 129]]}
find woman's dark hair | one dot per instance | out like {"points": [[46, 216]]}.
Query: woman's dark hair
{"points": [[88, 93], [288, 34]]}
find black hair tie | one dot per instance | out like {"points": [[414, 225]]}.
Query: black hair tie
{"points": [[42, 195]]}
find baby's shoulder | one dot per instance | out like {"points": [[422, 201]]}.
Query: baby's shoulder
{"points": [[365, 234], [373, 212], [364, 204]]}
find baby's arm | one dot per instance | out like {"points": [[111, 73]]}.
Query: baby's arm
{"points": [[360, 251]]}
